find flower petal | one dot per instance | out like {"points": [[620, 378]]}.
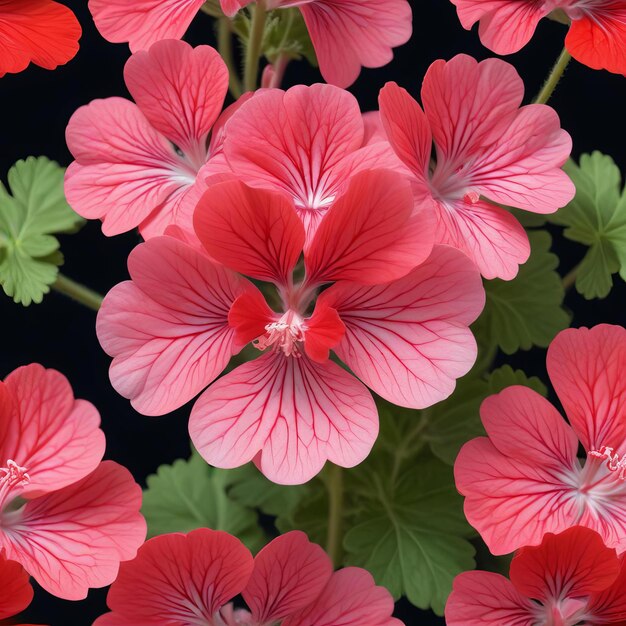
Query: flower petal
{"points": [[16, 592], [370, 234], [609, 605], [351, 598], [74, 538], [43, 32], [179, 578], [142, 22], [409, 339], [289, 574], [324, 331], [55, 437], [252, 231], [586, 367], [167, 330], [297, 413]]}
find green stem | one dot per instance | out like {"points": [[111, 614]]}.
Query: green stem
{"points": [[225, 47], [335, 514], [570, 278], [76, 291], [554, 77], [255, 44]]}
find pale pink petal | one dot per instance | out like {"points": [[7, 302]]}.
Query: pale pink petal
{"points": [[289, 574], [168, 328], [180, 578], [74, 539], [16, 592], [124, 170], [180, 90], [409, 339], [586, 367], [252, 231], [373, 128], [56, 438], [488, 599], [142, 22], [295, 412], [351, 598], [350, 34], [368, 236]]}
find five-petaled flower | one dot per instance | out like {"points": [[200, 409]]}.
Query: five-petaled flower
{"points": [[397, 315], [65, 516], [525, 479], [596, 37], [488, 151], [191, 579], [571, 578]]}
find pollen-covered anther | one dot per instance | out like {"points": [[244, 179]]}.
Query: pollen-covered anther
{"points": [[613, 461], [285, 335], [471, 197]]}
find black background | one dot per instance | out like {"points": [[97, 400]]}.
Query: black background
{"points": [[36, 106]]}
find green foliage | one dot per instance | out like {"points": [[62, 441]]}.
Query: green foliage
{"points": [[526, 311], [32, 210], [596, 218]]}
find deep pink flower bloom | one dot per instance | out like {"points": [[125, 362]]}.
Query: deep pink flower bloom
{"points": [[190, 579], [307, 142], [525, 478], [65, 516], [144, 164], [16, 592], [571, 578], [398, 319], [597, 35], [489, 150]]}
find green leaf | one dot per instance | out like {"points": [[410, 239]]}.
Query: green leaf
{"points": [[31, 212], [506, 376], [596, 218], [191, 494], [526, 311]]}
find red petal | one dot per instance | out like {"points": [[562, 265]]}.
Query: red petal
{"points": [[324, 331], [249, 316], [16, 592]]}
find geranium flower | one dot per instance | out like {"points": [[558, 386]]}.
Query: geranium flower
{"points": [[525, 479], [66, 517], [401, 328], [571, 578], [489, 150], [138, 164], [16, 592], [346, 34], [596, 37], [191, 579], [42, 32], [307, 142]]}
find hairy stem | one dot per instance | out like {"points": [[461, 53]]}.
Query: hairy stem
{"points": [[570, 278], [335, 514], [553, 78], [255, 44], [225, 47], [70, 288]]}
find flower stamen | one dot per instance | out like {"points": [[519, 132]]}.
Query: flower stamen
{"points": [[11, 476], [613, 461]]}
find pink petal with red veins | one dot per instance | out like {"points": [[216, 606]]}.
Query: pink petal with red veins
{"points": [[324, 331], [488, 599], [609, 605], [124, 170], [407, 129], [297, 413], [368, 236], [351, 598], [586, 367], [16, 592], [289, 574], [143, 22], [179, 578], [180, 90], [573, 564], [252, 231], [167, 330], [350, 34], [373, 128], [56, 438], [74, 539], [230, 7], [409, 339], [489, 235]]}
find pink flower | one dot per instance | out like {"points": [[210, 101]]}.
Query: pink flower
{"points": [[137, 164], [307, 142], [525, 478], [65, 516], [489, 151], [397, 317], [597, 34], [571, 578], [190, 579], [16, 592]]}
